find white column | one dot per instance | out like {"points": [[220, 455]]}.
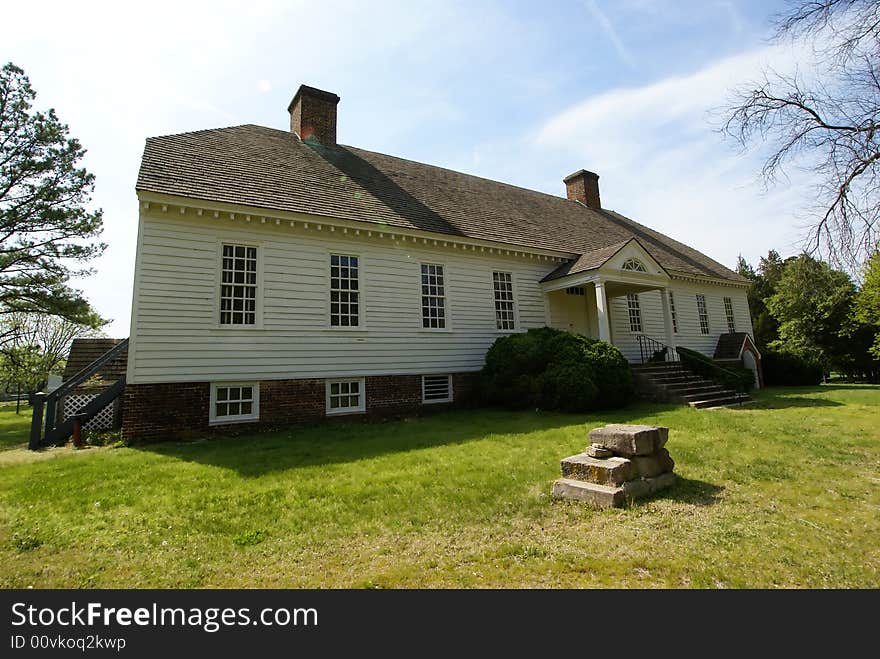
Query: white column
{"points": [[667, 319], [602, 312]]}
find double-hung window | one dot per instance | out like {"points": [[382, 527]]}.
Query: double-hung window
{"points": [[635, 312], [433, 296], [505, 318], [344, 291], [728, 312], [238, 285], [672, 312], [702, 313]]}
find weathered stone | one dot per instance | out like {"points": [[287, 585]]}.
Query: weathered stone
{"points": [[629, 440], [662, 437], [609, 471], [655, 464], [596, 451], [642, 487], [602, 496]]}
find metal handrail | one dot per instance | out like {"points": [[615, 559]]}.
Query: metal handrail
{"points": [[705, 360], [650, 349]]}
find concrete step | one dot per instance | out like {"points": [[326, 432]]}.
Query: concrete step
{"points": [[659, 369], [605, 496], [724, 400], [716, 392], [688, 390]]}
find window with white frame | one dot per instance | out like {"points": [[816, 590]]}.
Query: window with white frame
{"points": [[634, 265], [346, 396], [344, 291], [436, 388], [238, 285], [433, 296], [635, 312], [702, 313], [672, 312], [235, 401], [504, 312], [575, 290], [728, 311]]}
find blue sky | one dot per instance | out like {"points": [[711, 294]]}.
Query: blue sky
{"points": [[521, 92]]}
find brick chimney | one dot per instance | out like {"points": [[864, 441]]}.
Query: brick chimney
{"points": [[313, 115], [583, 186]]}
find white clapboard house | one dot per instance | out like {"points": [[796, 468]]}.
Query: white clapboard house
{"points": [[283, 277]]}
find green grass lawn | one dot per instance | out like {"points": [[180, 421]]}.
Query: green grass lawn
{"points": [[785, 493]]}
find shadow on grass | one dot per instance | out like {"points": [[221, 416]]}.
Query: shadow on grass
{"points": [[256, 454], [693, 492], [780, 398]]}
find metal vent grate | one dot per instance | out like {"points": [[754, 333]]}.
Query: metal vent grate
{"points": [[436, 388]]}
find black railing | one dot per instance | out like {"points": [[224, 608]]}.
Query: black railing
{"points": [[53, 432], [702, 365], [652, 350]]}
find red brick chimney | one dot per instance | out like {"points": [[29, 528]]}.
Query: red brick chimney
{"points": [[313, 115], [583, 186]]}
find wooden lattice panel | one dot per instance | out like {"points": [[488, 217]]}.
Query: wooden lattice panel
{"points": [[103, 420]]}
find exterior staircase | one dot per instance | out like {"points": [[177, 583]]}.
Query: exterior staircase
{"points": [[673, 382]]}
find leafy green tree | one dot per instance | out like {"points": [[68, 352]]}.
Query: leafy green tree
{"points": [[867, 307], [813, 305], [764, 282], [46, 227]]}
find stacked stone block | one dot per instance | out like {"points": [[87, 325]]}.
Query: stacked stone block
{"points": [[622, 463]]}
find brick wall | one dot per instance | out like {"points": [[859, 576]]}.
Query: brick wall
{"points": [[155, 412]]}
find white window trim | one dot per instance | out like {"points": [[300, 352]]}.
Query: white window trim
{"points": [[729, 314], [362, 310], [635, 265], [513, 291], [447, 314], [214, 420], [705, 313], [218, 282], [449, 399], [638, 308], [360, 409]]}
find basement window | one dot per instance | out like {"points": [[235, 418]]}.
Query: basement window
{"points": [[635, 312], [728, 311], [346, 396], [233, 402], [702, 313], [436, 389]]}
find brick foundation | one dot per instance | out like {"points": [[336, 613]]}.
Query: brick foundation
{"points": [[155, 412]]}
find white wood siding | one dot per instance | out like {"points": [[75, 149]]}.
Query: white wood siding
{"points": [[176, 336], [689, 335]]}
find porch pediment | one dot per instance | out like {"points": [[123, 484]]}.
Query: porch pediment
{"points": [[625, 266]]}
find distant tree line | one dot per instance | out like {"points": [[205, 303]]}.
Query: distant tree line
{"points": [[809, 317]]}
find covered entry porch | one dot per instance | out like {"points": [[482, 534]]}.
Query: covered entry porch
{"points": [[604, 303]]}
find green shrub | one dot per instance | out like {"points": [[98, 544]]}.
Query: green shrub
{"points": [[785, 368], [734, 377], [554, 370]]}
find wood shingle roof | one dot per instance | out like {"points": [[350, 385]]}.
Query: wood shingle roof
{"points": [[272, 169]]}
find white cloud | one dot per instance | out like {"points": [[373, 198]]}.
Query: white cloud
{"points": [[663, 163]]}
